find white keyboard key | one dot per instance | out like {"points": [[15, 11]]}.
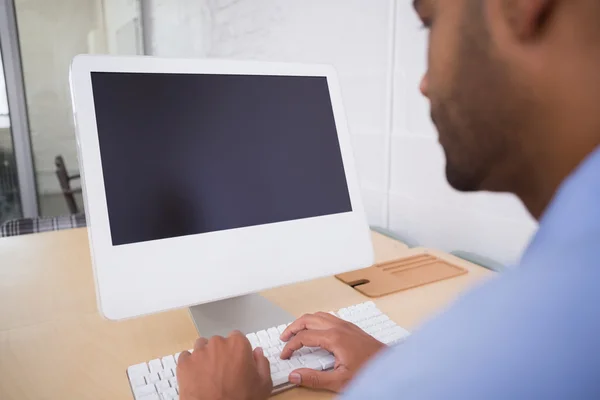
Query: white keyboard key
{"points": [[273, 334], [168, 362], [274, 368], [394, 339], [304, 351], [388, 324], [137, 381], [155, 365], [313, 349], [358, 318], [173, 382], [281, 328], [176, 357], [369, 323], [280, 378], [309, 358], [138, 370], [144, 390], [284, 365], [161, 386], [152, 396], [295, 363], [327, 362], [263, 338], [373, 329], [399, 330], [166, 374], [152, 377], [321, 353], [314, 364], [170, 393], [253, 340], [274, 351]]}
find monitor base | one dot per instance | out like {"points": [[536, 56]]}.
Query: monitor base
{"points": [[247, 314]]}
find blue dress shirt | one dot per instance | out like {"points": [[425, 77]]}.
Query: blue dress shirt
{"points": [[533, 333]]}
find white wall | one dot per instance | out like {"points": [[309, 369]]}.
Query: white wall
{"points": [[400, 164], [123, 27], [178, 28]]}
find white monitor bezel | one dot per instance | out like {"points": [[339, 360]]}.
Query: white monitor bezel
{"points": [[148, 277]]}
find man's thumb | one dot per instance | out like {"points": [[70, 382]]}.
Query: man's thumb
{"points": [[328, 380]]}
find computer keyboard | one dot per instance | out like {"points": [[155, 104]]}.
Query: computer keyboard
{"points": [[156, 380]]}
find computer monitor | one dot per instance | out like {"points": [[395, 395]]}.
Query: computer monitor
{"points": [[206, 180]]}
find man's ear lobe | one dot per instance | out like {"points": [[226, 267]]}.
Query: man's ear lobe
{"points": [[526, 19]]}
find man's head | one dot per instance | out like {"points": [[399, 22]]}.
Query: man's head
{"points": [[505, 84]]}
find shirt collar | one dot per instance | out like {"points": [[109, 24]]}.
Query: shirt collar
{"points": [[574, 213]]}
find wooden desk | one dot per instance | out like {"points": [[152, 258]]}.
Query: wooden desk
{"points": [[54, 345]]}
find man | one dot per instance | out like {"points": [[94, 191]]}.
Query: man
{"points": [[514, 87]]}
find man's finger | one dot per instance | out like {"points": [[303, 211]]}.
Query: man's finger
{"points": [[308, 321], [200, 343], [327, 380], [262, 363], [241, 340], [182, 357], [309, 339]]}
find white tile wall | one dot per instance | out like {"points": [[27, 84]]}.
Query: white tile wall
{"points": [[178, 28], [411, 110], [459, 227], [375, 203], [379, 51]]}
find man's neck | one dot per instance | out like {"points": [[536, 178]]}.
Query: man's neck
{"points": [[537, 188]]}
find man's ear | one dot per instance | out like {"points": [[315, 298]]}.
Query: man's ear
{"points": [[525, 19]]}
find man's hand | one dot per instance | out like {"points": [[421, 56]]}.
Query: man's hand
{"points": [[351, 346], [224, 369]]}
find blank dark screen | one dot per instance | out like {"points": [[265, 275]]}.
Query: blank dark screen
{"points": [[184, 154]]}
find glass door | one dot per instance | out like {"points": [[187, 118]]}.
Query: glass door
{"points": [[38, 39], [10, 202], [50, 34], [18, 194]]}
